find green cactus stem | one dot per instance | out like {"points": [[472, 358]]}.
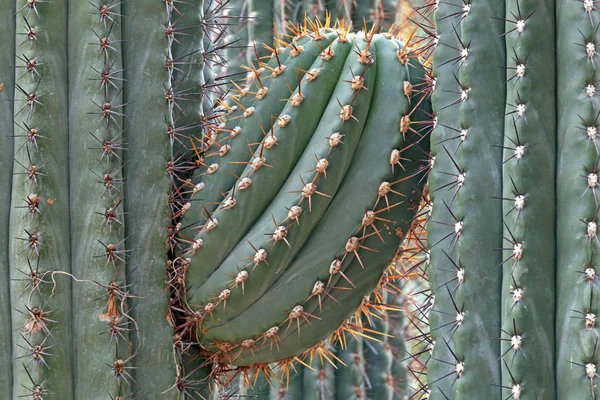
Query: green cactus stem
{"points": [[528, 288], [300, 168]]}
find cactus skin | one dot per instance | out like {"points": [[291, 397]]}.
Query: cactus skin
{"points": [[7, 79], [396, 343], [379, 358], [258, 121], [86, 358], [73, 218], [235, 55], [474, 249], [380, 12], [350, 380], [146, 177], [577, 251], [298, 135], [226, 311]]}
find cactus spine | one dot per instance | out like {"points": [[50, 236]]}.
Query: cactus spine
{"points": [[269, 17], [528, 286], [87, 254]]}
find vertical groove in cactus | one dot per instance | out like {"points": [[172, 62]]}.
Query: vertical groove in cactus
{"points": [[577, 172], [7, 90], [39, 222]]}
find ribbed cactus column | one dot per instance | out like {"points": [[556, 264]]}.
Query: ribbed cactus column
{"points": [[39, 220], [236, 13], [252, 107], [380, 12], [340, 9], [528, 292], [7, 90], [319, 381], [578, 355], [466, 224], [103, 357], [396, 345], [379, 358]]}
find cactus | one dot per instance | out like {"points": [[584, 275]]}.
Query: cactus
{"points": [[7, 25], [277, 176]]}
